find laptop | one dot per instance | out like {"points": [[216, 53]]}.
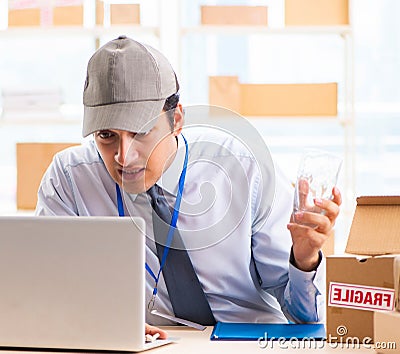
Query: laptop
{"points": [[73, 283]]}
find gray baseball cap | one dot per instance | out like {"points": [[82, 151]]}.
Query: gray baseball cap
{"points": [[126, 86]]}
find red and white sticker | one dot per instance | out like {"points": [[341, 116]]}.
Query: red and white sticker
{"points": [[361, 297]]}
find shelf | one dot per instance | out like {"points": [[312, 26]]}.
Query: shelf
{"points": [[64, 31], [300, 118], [41, 122], [247, 30], [344, 122]]}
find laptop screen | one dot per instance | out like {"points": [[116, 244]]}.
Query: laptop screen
{"points": [[72, 282]]}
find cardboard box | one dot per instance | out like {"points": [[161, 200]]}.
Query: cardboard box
{"points": [[316, 12], [359, 284], [234, 15], [375, 227], [224, 91], [289, 99], [387, 332], [68, 15], [32, 161], [349, 307], [125, 14], [99, 13], [120, 14], [24, 17], [273, 99], [45, 13]]}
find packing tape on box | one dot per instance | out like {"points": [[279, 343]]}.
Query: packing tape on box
{"points": [[67, 2], [29, 4], [23, 4]]}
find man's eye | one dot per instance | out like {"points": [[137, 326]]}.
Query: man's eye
{"points": [[140, 135], [105, 134]]}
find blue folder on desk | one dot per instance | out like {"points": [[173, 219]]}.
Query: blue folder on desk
{"points": [[268, 331]]}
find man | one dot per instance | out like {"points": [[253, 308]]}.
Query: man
{"points": [[231, 206]]}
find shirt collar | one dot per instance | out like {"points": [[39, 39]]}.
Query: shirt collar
{"points": [[169, 180]]}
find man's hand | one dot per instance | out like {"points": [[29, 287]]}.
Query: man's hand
{"points": [[152, 330], [308, 240]]}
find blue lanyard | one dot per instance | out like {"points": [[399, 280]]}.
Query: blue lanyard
{"points": [[172, 225]]}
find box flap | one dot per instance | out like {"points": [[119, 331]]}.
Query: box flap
{"points": [[379, 200], [376, 226]]}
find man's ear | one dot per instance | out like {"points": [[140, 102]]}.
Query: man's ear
{"points": [[179, 119]]}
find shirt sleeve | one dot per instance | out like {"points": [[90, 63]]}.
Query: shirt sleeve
{"points": [[55, 194], [300, 294]]}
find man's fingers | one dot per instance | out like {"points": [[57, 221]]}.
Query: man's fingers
{"points": [[330, 208], [310, 238], [303, 188], [152, 330], [337, 196], [318, 222]]}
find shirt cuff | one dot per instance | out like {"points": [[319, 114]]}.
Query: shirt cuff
{"points": [[314, 278], [293, 261]]}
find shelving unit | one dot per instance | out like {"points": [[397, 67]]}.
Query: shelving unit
{"points": [[169, 35], [345, 117]]}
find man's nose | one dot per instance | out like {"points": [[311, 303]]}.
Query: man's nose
{"points": [[127, 151]]}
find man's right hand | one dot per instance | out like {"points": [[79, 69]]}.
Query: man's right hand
{"points": [[152, 330]]}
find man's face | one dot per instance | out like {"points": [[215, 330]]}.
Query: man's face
{"points": [[136, 161]]}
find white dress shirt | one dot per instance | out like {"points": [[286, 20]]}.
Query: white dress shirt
{"points": [[232, 219]]}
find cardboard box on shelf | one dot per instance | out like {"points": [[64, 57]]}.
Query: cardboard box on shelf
{"points": [[289, 99], [45, 13], [125, 14], [68, 15], [273, 99], [120, 14], [366, 278], [24, 13], [23, 17], [316, 12], [99, 12], [224, 91], [32, 161], [234, 15], [386, 332]]}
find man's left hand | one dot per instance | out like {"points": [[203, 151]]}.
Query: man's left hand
{"points": [[308, 240]]}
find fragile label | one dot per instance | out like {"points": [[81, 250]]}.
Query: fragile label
{"points": [[361, 297]]}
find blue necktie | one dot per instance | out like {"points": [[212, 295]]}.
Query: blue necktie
{"points": [[185, 292]]}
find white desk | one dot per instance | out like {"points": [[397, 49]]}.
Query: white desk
{"points": [[198, 342], [193, 341]]}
